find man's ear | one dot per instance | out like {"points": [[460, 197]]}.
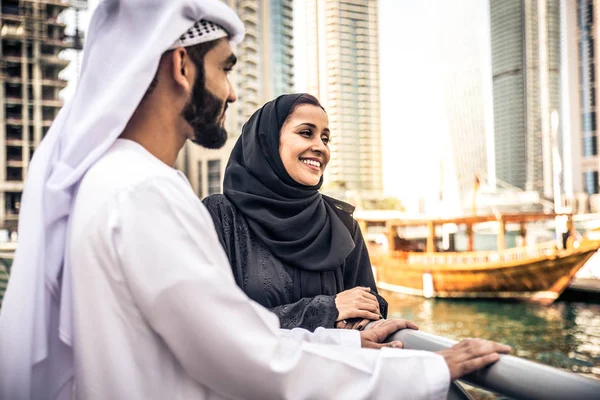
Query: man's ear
{"points": [[182, 68]]}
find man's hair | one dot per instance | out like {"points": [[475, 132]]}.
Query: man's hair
{"points": [[196, 53]]}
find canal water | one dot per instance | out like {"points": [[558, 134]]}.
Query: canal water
{"points": [[565, 335]]}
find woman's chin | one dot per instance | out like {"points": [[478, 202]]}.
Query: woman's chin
{"points": [[311, 182]]}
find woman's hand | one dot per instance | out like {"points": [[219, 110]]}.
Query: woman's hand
{"points": [[354, 323], [357, 303]]}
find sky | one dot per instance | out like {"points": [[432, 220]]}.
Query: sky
{"points": [[414, 126], [412, 111]]}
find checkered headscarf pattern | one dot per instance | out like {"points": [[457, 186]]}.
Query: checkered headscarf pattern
{"points": [[202, 31]]}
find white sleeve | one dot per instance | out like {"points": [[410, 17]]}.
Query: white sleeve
{"points": [[342, 337], [180, 278]]}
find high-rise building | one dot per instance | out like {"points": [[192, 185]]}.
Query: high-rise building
{"points": [[342, 71], [264, 71], [32, 38], [526, 62], [581, 38]]}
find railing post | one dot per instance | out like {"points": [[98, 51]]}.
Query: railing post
{"points": [[390, 233], [470, 238], [523, 233], [501, 234], [430, 237]]}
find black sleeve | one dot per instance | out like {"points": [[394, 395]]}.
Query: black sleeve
{"points": [[308, 313], [214, 205], [358, 271]]}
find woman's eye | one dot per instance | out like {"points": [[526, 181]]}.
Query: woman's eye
{"points": [[306, 133], [325, 139]]}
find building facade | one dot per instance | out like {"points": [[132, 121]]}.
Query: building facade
{"points": [[264, 71], [526, 68], [342, 71], [32, 39], [581, 40]]}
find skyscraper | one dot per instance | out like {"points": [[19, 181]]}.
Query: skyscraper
{"points": [[582, 62], [32, 37], [342, 71], [264, 71], [526, 54]]}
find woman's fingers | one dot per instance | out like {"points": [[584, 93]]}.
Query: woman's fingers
{"points": [[360, 325], [343, 324], [369, 296], [367, 306], [366, 315]]}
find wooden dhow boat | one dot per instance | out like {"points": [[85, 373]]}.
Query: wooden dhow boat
{"points": [[530, 272]]}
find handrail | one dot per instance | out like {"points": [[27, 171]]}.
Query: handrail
{"points": [[512, 376]]}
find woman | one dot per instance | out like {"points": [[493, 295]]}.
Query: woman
{"points": [[292, 249]]}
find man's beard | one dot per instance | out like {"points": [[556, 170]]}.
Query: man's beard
{"points": [[204, 113]]}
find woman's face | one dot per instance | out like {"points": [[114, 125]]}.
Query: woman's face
{"points": [[303, 144]]}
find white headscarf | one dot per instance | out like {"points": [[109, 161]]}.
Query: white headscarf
{"points": [[124, 43]]}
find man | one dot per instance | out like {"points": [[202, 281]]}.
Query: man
{"points": [[120, 283]]}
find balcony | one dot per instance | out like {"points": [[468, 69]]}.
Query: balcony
{"points": [[250, 45], [288, 14], [56, 3], [54, 60], [15, 142], [13, 100], [62, 44], [250, 71], [251, 58], [46, 59], [14, 164], [251, 31], [11, 32], [52, 103], [249, 5], [56, 22], [11, 186], [59, 83], [11, 17], [18, 121]]}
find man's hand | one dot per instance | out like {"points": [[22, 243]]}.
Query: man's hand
{"points": [[377, 332], [470, 355]]}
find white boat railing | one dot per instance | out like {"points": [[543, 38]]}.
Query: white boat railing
{"points": [[488, 257], [512, 376]]}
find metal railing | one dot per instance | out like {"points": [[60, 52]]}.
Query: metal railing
{"points": [[464, 258], [512, 376]]}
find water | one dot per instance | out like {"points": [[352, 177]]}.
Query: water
{"points": [[565, 335]]}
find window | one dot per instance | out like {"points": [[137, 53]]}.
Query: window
{"points": [[590, 182], [588, 120], [13, 203], [590, 146], [200, 186], [214, 176]]}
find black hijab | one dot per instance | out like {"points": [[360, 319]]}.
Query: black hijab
{"points": [[293, 220]]}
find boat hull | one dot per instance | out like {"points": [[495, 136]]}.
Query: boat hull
{"points": [[541, 279]]}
